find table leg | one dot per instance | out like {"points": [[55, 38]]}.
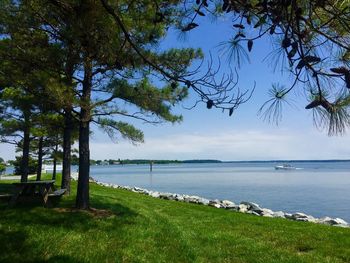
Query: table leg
{"points": [[16, 194]]}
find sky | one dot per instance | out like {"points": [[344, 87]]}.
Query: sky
{"points": [[211, 134]]}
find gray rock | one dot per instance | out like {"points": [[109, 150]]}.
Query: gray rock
{"points": [[243, 208], [214, 202], [303, 217], [332, 221], [279, 214], [203, 201], [166, 196], [228, 204], [155, 194], [253, 207], [288, 215], [266, 212], [252, 213], [191, 199], [267, 215], [180, 198]]}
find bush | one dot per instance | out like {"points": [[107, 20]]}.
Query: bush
{"points": [[2, 168], [33, 165]]}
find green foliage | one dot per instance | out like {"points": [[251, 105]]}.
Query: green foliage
{"points": [[32, 167], [2, 167], [126, 130]]}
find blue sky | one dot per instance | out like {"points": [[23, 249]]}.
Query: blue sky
{"points": [[212, 134]]}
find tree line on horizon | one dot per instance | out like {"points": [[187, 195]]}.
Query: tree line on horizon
{"points": [[68, 64]]}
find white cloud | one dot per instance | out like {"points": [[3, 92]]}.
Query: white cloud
{"points": [[225, 145], [231, 145]]}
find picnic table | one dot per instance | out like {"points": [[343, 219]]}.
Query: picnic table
{"points": [[32, 189]]}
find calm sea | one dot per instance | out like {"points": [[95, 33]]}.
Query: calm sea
{"points": [[318, 188]]}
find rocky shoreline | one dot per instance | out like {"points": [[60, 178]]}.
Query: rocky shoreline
{"points": [[243, 207]]}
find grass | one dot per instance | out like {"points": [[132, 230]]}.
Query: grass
{"points": [[140, 228]]}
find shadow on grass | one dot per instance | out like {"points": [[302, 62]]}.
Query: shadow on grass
{"points": [[24, 228], [15, 247]]}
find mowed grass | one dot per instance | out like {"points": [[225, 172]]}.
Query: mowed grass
{"points": [[144, 229]]}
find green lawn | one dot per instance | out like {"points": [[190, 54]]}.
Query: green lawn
{"points": [[144, 229]]}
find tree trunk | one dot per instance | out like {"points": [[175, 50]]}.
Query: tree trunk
{"points": [[82, 201], [40, 158], [68, 124], [67, 144], [25, 150], [54, 163]]}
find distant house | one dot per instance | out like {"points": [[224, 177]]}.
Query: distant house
{"points": [[48, 168]]}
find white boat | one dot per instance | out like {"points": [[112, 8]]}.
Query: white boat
{"points": [[285, 167]]}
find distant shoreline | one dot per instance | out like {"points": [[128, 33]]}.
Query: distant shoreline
{"points": [[203, 161]]}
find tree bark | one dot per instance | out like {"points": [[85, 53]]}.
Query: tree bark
{"points": [[55, 163], [25, 150], [68, 124], [82, 200], [67, 145], [40, 158]]}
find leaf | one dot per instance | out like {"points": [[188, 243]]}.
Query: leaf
{"points": [[261, 21], [225, 5], [347, 79], [230, 112], [301, 64], [199, 12], [340, 70], [238, 26], [286, 42], [312, 59], [292, 52], [250, 45], [313, 104], [210, 104], [189, 27]]}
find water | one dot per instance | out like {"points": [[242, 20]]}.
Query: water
{"points": [[319, 188]]}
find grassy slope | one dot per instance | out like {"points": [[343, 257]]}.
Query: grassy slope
{"points": [[144, 229]]}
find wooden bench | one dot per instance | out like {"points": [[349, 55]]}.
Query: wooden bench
{"points": [[5, 197], [58, 193], [55, 196]]}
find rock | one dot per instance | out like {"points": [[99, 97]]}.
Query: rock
{"points": [[191, 199], [243, 208], [267, 212], [279, 214], [267, 215], [214, 202], [340, 221], [203, 201], [155, 194], [217, 205], [166, 196], [228, 204], [250, 205], [288, 215], [303, 217], [180, 198], [253, 213], [253, 207], [332, 221]]}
